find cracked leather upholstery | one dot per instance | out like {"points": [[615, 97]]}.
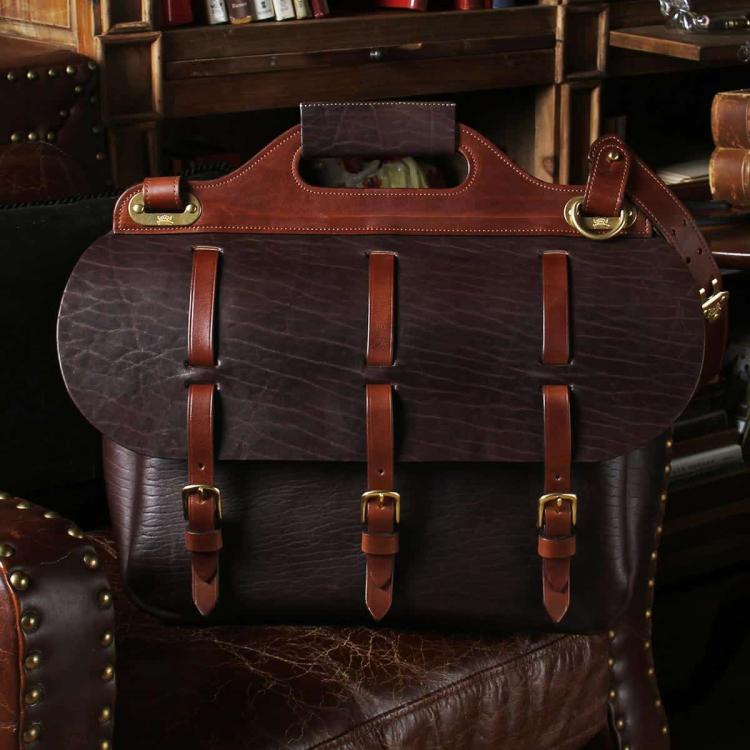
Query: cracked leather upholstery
{"points": [[350, 688]]}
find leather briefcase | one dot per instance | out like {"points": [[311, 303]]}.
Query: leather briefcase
{"points": [[453, 401]]}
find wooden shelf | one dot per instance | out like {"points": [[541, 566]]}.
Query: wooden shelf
{"points": [[719, 47], [258, 66]]}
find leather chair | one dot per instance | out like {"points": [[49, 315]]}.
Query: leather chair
{"points": [[63, 614]]}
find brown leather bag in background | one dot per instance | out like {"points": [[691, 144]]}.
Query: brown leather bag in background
{"points": [[453, 401]]}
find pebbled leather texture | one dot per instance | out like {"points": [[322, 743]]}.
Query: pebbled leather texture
{"points": [[468, 529], [378, 129], [63, 593], [291, 345], [350, 688]]}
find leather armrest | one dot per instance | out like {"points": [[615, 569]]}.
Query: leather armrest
{"points": [[57, 680]]}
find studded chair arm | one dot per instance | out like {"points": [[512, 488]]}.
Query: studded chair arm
{"points": [[57, 679]]}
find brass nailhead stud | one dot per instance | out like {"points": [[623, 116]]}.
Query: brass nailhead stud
{"points": [[78, 89], [75, 532], [191, 208], [659, 529], [51, 136], [664, 497], [611, 662], [96, 130], [665, 730], [620, 724], [31, 734], [100, 156], [651, 583], [650, 672], [51, 514], [6, 496], [647, 645], [15, 137], [107, 638], [105, 715], [20, 581], [10, 76], [667, 469], [93, 99], [70, 70], [648, 614], [63, 113], [657, 703], [24, 504], [104, 599], [32, 697], [105, 745], [612, 694], [670, 443], [90, 560], [33, 661], [7, 550], [31, 75], [627, 747], [137, 208], [653, 555], [108, 673], [614, 155], [611, 635], [30, 622], [52, 73]]}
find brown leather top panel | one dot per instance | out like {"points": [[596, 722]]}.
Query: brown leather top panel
{"points": [[291, 342]]}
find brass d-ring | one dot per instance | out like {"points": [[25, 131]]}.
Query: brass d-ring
{"points": [[597, 227]]}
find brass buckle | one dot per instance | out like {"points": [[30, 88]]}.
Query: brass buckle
{"points": [[381, 495], [206, 492], [598, 227], [189, 215], [558, 498], [713, 306]]}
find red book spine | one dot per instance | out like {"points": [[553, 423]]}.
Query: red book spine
{"points": [[403, 4], [176, 12], [472, 4], [319, 8]]}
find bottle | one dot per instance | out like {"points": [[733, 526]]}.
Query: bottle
{"points": [[239, 11], [216, 12], [263, 10]]}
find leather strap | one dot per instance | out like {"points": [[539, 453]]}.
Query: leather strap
{"points": [[381, 301], [604, 196], [555, 316], [162, 195], [379, 532], [556, 543], [203, 538]]}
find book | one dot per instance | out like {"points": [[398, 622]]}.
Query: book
{"points": [[712, 461], [239, 11], [684, 171], [730, 119], [700, 425], [216, 12], [729, 175], [403, 4], [319, 8], [176, 12], [283, 9], [302, 9], [707, 442], [263, 10]]}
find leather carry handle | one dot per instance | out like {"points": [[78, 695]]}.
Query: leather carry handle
{"points": [[378, 128]]}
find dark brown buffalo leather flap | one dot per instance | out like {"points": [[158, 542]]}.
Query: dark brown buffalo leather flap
{"points": [[291, 341]]}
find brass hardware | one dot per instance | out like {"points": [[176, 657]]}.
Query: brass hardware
{"points": [[657, 703], [665, 730], [713, 306], [558, 498], [206, 492], [6, 496], [651, 583], [50, 136], [654, 555], [23, 505], [7, 550], [31, 75], [100, 156], [33, 661], [667, 470], [31, 136], [104, 599], [646, 645], [381, 496], [32, 697], [659, 529], [70, 70], [31, 734], [611, 635], [78, 89], [106, 639], [90, 560], [75, 532], [614, 155], [15, 137], [92, 65], [96, 130], [52, 73], [670, 443], [108, 673], [63, 113], [648, 614], [30, 622], [620, 724], [598, 227], [650, 672], [93, 100], [50, 514], [189, 215], [664, 497], [105, 745], [10, 76], [611, 662], [105, 715], [612, 694], [20, 581]]}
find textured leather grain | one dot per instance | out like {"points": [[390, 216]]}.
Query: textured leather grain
{"points": [[63, 593], [350, 688], [378, 129], [470, 527], [292, 325]]}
